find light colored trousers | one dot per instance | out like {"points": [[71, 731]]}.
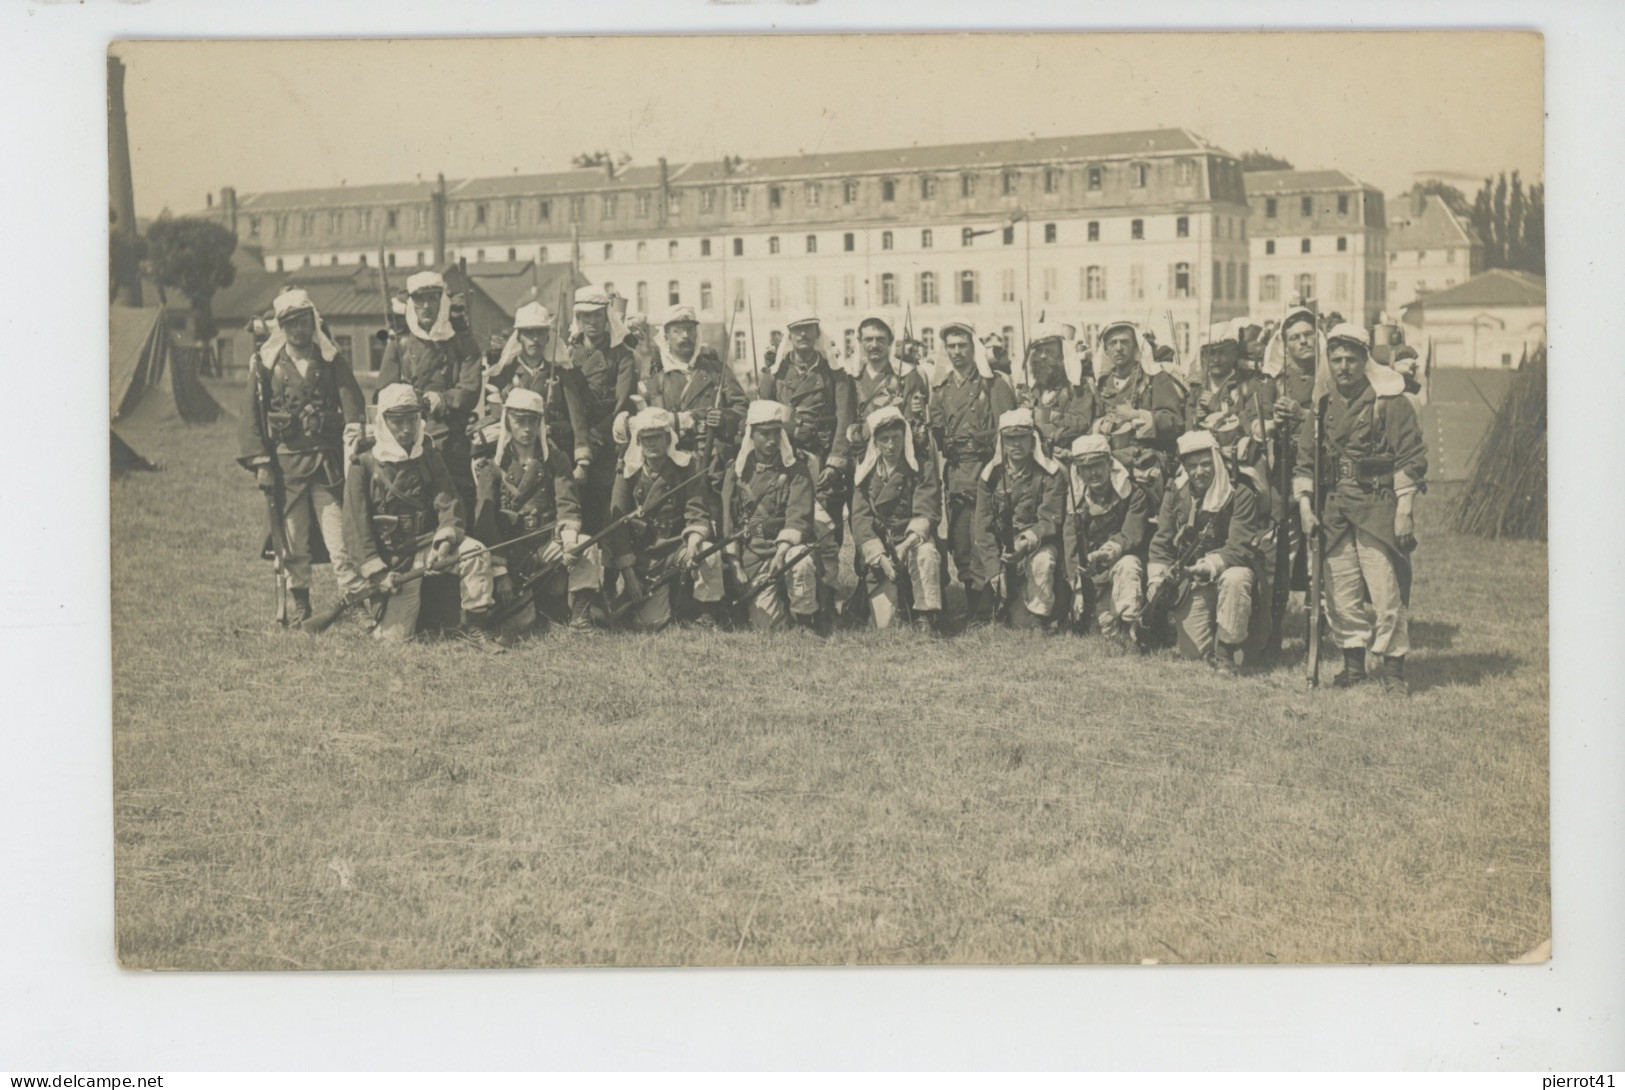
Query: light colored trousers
{"points": [[1117, 611], [796, 592], [1036, 573], [302, 502], [398, 617], [655, 611], [1222, 608], [923, 569], [1357, 567]]}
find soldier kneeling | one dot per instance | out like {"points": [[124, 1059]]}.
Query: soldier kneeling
{"points": [[768, 493], [401, 512], [1206, 565], [1106, 538], [896, 505], [1020, 505]]}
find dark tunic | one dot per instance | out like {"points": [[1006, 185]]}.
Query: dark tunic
{"points": [[563, 412], [303, 416], [891, 388], [707, 385], [1160, 393], [774, 502], [609, 374], [523, 495], [824, 404], [965, 422], [1123, 520], [450, 368], [1062, 413], [389, 505], [1235, 532], [1008, 505], [885, 505], [648, 540]]}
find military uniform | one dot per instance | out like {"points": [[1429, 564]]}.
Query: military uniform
{"points": [[907, 391], [609, 372], [1020, 509], [1223, 532], [560, 388], [1374, 457], [300, 418], [965, 415], [774, 503], [1110, 591], [889, 504]]}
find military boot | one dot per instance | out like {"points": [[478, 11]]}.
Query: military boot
{"points": [[581, 611], [301, 605], [1228, 658], [824, 619], [1353, 671], [1393, 676]]}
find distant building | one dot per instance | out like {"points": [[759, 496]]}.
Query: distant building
{"points": [[1488, 321], [1430, 248], [1077, 228], [1321, 234]]}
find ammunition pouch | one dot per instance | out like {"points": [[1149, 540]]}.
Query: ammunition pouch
{"points": [[1372, 474]]}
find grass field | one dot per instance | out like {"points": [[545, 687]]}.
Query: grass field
{"points": [[287, 802]]}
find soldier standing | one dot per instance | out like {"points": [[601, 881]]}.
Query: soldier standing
{"points": [[1141, 409], [402, 512], [1107, 532], [880, 382], [523, 364], [1020, 506], [1373, 464], [1063, 404], [1207, 551], [1227, 399], [769, 492], [443, 364], [304, 409], [967, 400], [525, 488], [896, 504]]}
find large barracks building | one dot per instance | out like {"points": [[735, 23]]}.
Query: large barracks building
{"points": [[1078, 229]]}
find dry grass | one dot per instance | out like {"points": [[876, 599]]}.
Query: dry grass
{"points": [[285, 802]]}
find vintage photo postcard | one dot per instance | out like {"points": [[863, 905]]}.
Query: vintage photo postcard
{"points": [[829, 500]]}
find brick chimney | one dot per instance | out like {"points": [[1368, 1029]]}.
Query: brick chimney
{"points": [[228, 208], [665, 190], [437, 199], [1419, 201]]}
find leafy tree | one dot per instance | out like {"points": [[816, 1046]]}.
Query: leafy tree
{"points": [[1511, 221], [193, 256], [1258, 159], [589, 160], [1453, 198]]}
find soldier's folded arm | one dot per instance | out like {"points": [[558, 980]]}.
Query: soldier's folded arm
{"points": [[359, 540]]}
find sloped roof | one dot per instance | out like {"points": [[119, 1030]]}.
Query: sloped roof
{"points": [[543, 283], [1437, 228], [1493, 288], [335, 196], [1299, 181]]}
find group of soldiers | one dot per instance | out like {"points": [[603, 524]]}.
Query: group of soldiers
{"points": [[539, 484]]}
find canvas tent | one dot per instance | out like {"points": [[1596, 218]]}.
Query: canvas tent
{"points": [[140, 357]]}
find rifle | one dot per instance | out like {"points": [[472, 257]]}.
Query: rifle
{"points": [[316, 625], [276, 498], [1005, 582], [673, 572], [755, 361], [767, 579], [1316, 543], [580, 549], [1080, 528], [1280, 590], [1171, 591]]}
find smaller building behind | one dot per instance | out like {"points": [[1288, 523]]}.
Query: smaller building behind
{"points": [[1430, 249], [1490, 321]]}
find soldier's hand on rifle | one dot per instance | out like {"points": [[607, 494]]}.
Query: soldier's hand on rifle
{"points": [[433, 402], [264, 480], [1025, 542], [712, 418], [1306, 515], [389, 582], [1286, 410], [884, 565], [910, 542], [551, 553], [568, 541], [1404, 527], [690, 554], [826, 477], [780, 558], [580, 471], [1100, 557]]}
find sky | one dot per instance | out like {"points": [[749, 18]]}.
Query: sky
{"points": [[287, 114]]}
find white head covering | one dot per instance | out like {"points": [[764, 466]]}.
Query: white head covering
{"points": [[766, 412], [522, 400], [1089, 448], [1146, 359], [1071, 362], [1385, 381], [682, 312], [942, 368], [1218, 493], [289, 302], [653, 418], [1275, 356], [591, 298], [429, 280], [1019, 420], [530, 316], [871, 457], [393, 398], [1220, 332]]}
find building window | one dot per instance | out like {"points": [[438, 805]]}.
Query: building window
{"points": [[1136, 281], [1269, 208], [335, 222], [1241, 287], [925, 239], [671, 250], [610, 203], [967, 237], [739, 344], [849, 242], [967, 287], [812, 244], [544, 210], [1094, 283], [643, 249], [513, 254], [640, 296], [1009, 334], [1050, 284], [773, 244], [775, 196], [346, 345], [1136, 229], [1095, 176], [1306, 285], [1342, 244], [673, 295], [1186, 172], [643, 205], [705, 247], [609, 251], [1094, 230], [1009, 236], [513, 214], [1052, 179], [928, 288], [1269, 288], [967, 185], [849, 290], [739, 247], [810, 293], [1182, 227], [333, 259], [1342, 204], [849, 192], [708, 199], [1049, 232], [774, 297], [1007, 285], [279, 267], [815, 194], [1140, 175], [420, 257], [1009, 183], [888, 190], [1229, 279], [888, 290], [674, 204], [928, 339], [928, 188], [1303, 247], [541, 255], [1306, 206], [1218, 281], [577, 209], [392, 219], [1182, 337], [1269, 246], [885, 240], [741, 198], [1340, 287], [1182, 280], [362, 260]]}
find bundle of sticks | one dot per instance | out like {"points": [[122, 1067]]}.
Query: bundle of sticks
{"points": [[1506, 491]]}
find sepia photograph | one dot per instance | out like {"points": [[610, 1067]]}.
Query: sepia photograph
{"points": [[829, 500]]}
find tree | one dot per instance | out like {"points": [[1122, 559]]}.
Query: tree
{"points": [[1258, 159], [194, 257], [590, 160], [1454, 199], [1511, 221]]}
